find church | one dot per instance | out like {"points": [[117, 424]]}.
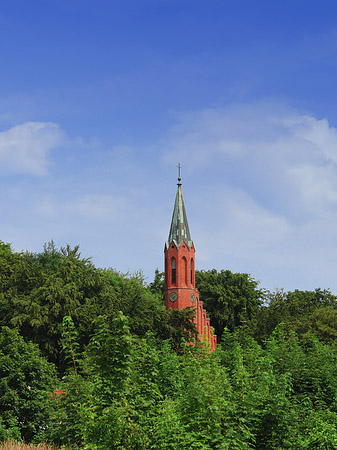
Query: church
{"points": [[180, 290]]}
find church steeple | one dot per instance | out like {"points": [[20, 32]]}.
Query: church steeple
{"points": [[179, 230], [180, 290]]}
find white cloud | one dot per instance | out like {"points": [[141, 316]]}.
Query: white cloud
{"points": [[266, 183], [293, 154], [24, 148], [259, 184]]}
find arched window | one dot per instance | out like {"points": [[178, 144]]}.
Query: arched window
{"points": [[174, 270], [185, 270], [192, 270]]}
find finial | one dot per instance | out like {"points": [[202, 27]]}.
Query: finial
{"points": [[179, 177]]}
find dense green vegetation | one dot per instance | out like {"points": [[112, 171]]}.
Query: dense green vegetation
{"points": [[123, 376]]}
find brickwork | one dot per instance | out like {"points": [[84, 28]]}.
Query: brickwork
{"points": [[181, 278]]}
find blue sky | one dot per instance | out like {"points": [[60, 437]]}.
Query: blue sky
{"points": [[99, 101]]}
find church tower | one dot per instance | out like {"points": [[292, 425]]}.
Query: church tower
{"points": [[180, 290]]}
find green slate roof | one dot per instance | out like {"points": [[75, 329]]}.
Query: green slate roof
{"points": [[179, 230]]}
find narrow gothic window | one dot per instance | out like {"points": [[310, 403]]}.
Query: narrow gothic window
{"points": [[185, 270], [174, 271], [192, 263]]}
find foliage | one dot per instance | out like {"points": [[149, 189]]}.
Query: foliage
{"points": [[38, 290], [157, 286], [108, 358], [132, 376], [129, 295], [231, 299], [306, 312], [26, 381], [143, 395]]}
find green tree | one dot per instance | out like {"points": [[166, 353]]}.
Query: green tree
{"points": [[69, 405], [231, 299], [38, 290], [26, 383], [305, 312], [143, 309], [158, 284]]}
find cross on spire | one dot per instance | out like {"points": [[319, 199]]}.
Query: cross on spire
{"points": [[179, 177]]}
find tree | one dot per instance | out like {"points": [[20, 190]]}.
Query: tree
{"points": [[38, 290], [26, 381], [144, 310], [158, 285], [231, 299], [306, 312]]}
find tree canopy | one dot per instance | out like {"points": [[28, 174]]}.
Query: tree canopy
{"points": [[90, 358], [231, 299]]}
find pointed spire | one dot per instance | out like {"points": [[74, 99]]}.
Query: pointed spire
{"points": [[179, 230]]}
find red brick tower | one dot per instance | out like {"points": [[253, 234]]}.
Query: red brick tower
{"points": [[180, 291]]}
